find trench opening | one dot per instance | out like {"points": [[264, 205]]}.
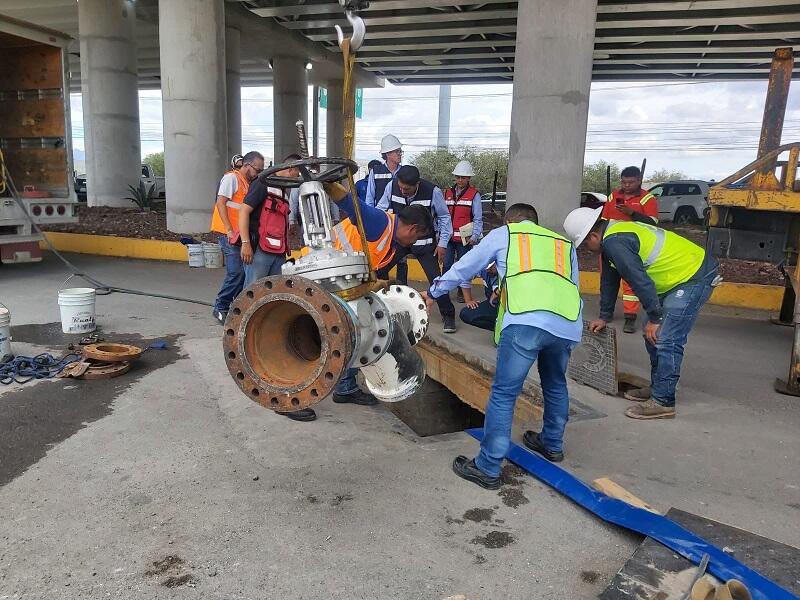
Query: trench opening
{"points": [[283, 343], [434, 410]]}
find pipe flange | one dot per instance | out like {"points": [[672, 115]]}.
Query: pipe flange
{"points": [[287, 342], [374, 336], [401, 298], [111, 352]]}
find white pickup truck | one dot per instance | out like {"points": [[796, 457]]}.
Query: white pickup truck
{"points": [[149, 178]]}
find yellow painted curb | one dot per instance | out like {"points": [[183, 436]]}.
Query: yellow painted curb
{"points": [[742, 295]]}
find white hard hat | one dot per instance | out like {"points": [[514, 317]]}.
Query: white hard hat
{"points": [[464, 169], [389, 143], [579, 223]]}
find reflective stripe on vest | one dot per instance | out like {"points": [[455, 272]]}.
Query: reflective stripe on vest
{"points": [[346, 237], [668, 258], [538, 275], [232, 205], [460, 208]]}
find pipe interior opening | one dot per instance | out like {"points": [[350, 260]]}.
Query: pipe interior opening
{"points": [[283, 344]]}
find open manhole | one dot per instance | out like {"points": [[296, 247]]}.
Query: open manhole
{"points": [[435, 410]]}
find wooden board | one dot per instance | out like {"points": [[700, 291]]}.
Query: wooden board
{"points": [[31, 68], [472, 385], [32, 117], [611, 488], [655, 571], [44, 168]]}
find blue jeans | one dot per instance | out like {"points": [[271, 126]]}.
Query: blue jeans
{"points": [[681, 306], [520, 346], [454, 252], [484, 316], [234, 275], [263, 265], [347, 384]]}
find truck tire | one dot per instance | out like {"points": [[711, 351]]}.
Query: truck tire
{"points": [[685, 215]]}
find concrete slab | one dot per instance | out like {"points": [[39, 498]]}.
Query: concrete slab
{"points": [[248, 504]]}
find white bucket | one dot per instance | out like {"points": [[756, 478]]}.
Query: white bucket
{"points": [[196, 255], [5, 331], [212, 255], [77, 310]]}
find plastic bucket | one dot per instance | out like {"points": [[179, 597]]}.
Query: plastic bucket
{"points": [[5, 331], [212, 255], [196, 255], [77, 310]]}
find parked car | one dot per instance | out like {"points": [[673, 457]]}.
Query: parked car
{"points": [[593, 199], [682, 202], [148, 177]]}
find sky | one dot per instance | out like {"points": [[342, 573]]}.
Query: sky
{"points": [[707, 130]]}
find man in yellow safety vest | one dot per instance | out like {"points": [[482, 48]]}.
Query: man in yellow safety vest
{"points": [[672, 277]]}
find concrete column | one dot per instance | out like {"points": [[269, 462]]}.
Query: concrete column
{"points": [[289, 103], [233, 90], [192, 33], [315, 121], [550, 106], [443, 125], [110, 100], [334, 120]]}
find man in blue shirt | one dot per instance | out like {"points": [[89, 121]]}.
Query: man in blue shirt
{"points": [[530, 331], [408, 189], [362, 184], [382, 174], [481, 314]]}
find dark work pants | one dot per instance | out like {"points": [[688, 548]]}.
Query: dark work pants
{"points": [[429, 264]]}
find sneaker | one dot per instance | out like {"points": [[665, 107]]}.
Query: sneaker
{"points": [[305, 414], [637, 394], [220, 315], [467, 469], [532, 442], [650, 409], [449, 324], [460, 296], [359, 397], [630, 325]]}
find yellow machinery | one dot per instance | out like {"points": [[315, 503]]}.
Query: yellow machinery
{"points": [[755, 213]]}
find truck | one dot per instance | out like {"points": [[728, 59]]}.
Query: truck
{"points": [[149, 178], [35, 137]]}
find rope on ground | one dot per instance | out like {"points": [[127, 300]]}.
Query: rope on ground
{"points": [[22, 369], [101, 289]]}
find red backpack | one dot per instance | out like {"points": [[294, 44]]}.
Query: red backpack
{"points": [[273, 224]]}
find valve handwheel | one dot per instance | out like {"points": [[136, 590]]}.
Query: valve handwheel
{"points": [[335, 169]]}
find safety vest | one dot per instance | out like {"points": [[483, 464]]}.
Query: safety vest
{"points": [[460, 207], [346, 237], [273, 222], [383, 177], [638, 203], [668, 258], [232, 205], [538, 275], [423, 197]]}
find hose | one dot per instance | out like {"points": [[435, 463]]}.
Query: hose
{"points": [[101, 289]]}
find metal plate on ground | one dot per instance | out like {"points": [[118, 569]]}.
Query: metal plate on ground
{"points": [[594, 360], [655, 571]]}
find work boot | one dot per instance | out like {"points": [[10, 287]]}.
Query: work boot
{"points": [[630, 324], [304, 414], [650, 409], [460, 296], [532, 442], [359, 397], [220, 315], [467, 469], [703, 589], [449, 324], [637, 394]]}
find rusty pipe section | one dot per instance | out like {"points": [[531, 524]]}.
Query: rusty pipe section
{"points": [[288, 341]]}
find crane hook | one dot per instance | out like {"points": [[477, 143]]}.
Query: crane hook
{"points": [[359, 31]]}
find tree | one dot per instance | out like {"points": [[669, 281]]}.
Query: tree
{"points": [[594, 176], [437, 166], [156, 161], [662, 175]]}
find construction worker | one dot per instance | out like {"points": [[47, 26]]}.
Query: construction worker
{"points": [[539, 319], [464, 203], [482, 314], [672, 277], [361, 184], [631, 203], [383, 173], [225, 222], [408, 189], [265, 249]]}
